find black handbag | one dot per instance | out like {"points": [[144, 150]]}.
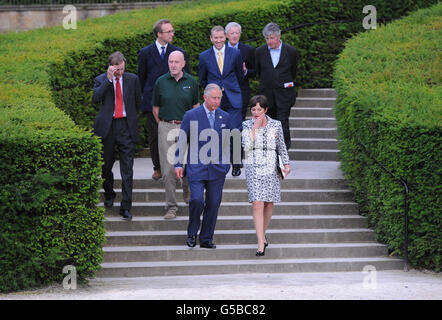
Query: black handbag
{"points": [[279, 167]]}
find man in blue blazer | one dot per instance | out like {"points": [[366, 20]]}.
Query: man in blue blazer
{"points": [[233, 34], [223, 66], [205, 134], [153, 63]]}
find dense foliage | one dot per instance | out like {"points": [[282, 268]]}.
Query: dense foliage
{"points": [[390, 100]]}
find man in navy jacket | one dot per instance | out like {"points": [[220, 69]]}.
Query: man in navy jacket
{"points": [[205, 134], [153, 63], [223, 66], [233, 34]]}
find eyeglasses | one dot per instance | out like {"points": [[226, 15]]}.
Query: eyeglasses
{"points": [[168, 32]]}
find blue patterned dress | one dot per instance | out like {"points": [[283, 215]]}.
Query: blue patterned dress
{"points": [[261, 159]]}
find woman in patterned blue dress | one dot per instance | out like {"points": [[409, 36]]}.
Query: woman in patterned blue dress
{"points": [[263, 141]]}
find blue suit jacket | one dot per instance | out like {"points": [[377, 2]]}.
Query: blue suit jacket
{"points": [[231, 78], [151, 67], [193, 128]]}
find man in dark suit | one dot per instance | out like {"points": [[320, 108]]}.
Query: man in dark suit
{"points": [[207, 163], [276, 65], [153, 63], [223, 66], [119, 93], [233, 34]]}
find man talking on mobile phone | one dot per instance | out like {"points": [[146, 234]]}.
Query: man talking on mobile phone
{"points": [[119, 93]]}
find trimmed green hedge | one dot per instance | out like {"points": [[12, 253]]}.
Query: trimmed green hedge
{"points": [[390, 99], [71, 78], [50, 177], [50, 164]]}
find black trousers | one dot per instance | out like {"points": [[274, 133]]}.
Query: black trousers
{"points": [[236, 121], [152, 138], [281, 113], [119, 137], [245, 92]]}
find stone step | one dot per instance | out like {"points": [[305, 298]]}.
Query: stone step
{"points": [[158, 223], [316, 133], [255, 265], [312, 112], [231, 195], [313, 154], [316, 227], [317, 93], [143, 209], [314, 102], [314, 143], [245, 251], [240, 182], [312, 122], [158, 238]]}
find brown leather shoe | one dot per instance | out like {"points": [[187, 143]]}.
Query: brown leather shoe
{"points": [[156, 175]]}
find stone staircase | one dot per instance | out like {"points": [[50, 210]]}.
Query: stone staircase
{"points": [[313, 126], [315, 228]]}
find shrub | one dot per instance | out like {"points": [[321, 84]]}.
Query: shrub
{"points": [[50, 177], [389, 98]]}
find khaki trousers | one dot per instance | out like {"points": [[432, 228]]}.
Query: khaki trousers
{"points": [[167, 138]]}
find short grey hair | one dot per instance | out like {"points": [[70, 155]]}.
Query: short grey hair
{"points": [[216, 29], [271, 29], [210, 87], [232, 25]]}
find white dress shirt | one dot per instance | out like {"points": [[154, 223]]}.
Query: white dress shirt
{"points": [[159, 45], [275, 54], [114, 81]]}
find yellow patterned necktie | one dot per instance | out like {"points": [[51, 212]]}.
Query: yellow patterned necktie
{"points": [[220, 62]]}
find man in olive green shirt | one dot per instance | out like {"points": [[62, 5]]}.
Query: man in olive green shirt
{"points": [[174, 93]]}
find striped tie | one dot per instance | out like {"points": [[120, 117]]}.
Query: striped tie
{"points": [[211, 119]]}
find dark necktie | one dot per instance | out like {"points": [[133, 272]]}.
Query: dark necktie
{"points": [[162, 53], [211, 119]]}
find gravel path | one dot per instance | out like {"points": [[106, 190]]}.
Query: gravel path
{"points": [[391, 285]]}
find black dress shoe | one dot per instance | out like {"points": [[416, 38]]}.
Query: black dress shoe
{"points": [[191, 241], [126, 215], [236, 171], [266, 244], [208, 245], [109, 202]]}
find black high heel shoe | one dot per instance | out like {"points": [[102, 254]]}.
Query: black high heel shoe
{"points": [[266, 244], [261, 253]]}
